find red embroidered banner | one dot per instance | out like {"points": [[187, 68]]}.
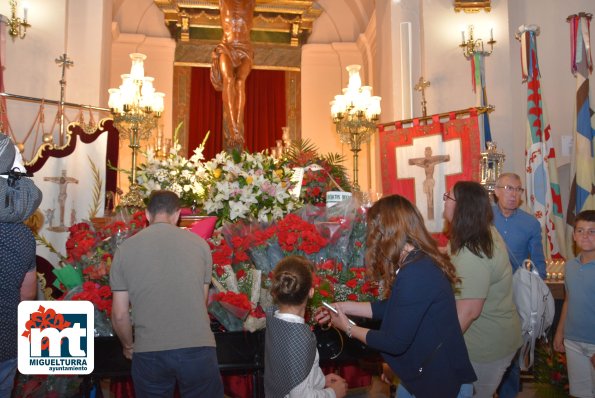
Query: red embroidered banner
{"points": [[422, 162]]}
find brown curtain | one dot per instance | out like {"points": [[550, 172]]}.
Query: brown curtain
{"points": [[264, 113]]}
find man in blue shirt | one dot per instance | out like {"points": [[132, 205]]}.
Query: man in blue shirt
{"points": [[522, 233]]}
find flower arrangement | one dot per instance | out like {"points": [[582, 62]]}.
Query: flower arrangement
{"points": [[186, 177], [248, 186], [245, 254], [322, 173], [84, 271], [550, 371]]}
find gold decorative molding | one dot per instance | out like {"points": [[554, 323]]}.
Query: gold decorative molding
{"points": [[286, 22], [471, 6]]}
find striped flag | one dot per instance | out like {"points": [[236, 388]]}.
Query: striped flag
{"points": [[478, 78], [582, 192], [543, 189]]}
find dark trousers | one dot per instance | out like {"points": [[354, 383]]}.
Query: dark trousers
{"points": [[194, 369]]}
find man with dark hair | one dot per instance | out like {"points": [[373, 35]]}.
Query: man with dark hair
{"points": [[522, 234], [164, 273]]}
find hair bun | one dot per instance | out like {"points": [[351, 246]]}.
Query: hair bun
{"points": [[288, 282]]}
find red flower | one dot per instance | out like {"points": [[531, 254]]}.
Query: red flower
{"points": [[239, 300], [352, 297], [352, 283]]}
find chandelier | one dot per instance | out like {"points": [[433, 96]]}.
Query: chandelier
{"points": [[135, 107], [355, 113]]}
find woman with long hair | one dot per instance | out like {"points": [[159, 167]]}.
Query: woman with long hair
{"points": [[420, 337], [487, 314]]}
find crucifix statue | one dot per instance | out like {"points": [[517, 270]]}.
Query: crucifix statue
{"points": [[63, 181], [421, 86], [428, 163], [231, 64]]}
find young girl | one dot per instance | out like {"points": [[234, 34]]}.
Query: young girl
{"points": [[290, 356]]}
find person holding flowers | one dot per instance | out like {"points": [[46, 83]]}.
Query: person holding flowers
{"points": [[420, 337], [290, 355], [165, 272]]}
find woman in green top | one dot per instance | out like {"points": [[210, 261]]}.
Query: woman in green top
{"points": [[487, 314]]}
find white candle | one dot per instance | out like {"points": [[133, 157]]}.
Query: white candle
{"points": [[66, 28], [25, 11], [491, 34], [462, 37]]}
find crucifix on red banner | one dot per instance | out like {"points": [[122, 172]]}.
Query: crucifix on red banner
{"points": [[421, 162]]}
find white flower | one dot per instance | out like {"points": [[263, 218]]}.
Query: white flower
{"points": [[237, 209]]}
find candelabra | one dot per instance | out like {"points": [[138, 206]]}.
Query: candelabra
{"points": [[355, 114], [473, 46], [17, 27], [135, 107]]}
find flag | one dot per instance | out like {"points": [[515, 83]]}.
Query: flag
{"points": [[582, 191], [543, 189], [478, 79]]}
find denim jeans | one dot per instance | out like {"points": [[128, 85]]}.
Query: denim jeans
{"points": [[466, 391], [8, 370], [511, 381], [195, 369]]}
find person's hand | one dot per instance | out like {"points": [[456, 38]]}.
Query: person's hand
{"points": [[559, 342], [339, 320], [322, 316], [387, 376], [127, 351], [337, 383]]}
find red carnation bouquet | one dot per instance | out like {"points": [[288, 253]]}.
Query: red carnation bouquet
{"points": [[84, 271], [244, 255]]}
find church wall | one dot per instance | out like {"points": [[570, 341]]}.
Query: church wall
{"points": [[324, 76], [31, 70], [450, 73]]}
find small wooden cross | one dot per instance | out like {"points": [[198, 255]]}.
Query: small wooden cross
{"points": [[421, 86]]}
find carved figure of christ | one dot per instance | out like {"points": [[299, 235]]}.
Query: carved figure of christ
{"points": [[62, 181], [429, 169]]}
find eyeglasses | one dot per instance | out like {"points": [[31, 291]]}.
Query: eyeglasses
{"points": [[510, 188], [581, 231], [447, 196]]}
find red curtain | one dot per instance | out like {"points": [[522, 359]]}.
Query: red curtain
{"points": [[265, 109], [206, 114], [263, 118]]}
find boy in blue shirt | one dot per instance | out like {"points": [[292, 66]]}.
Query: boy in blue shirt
{"points": [[576, 330]]}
